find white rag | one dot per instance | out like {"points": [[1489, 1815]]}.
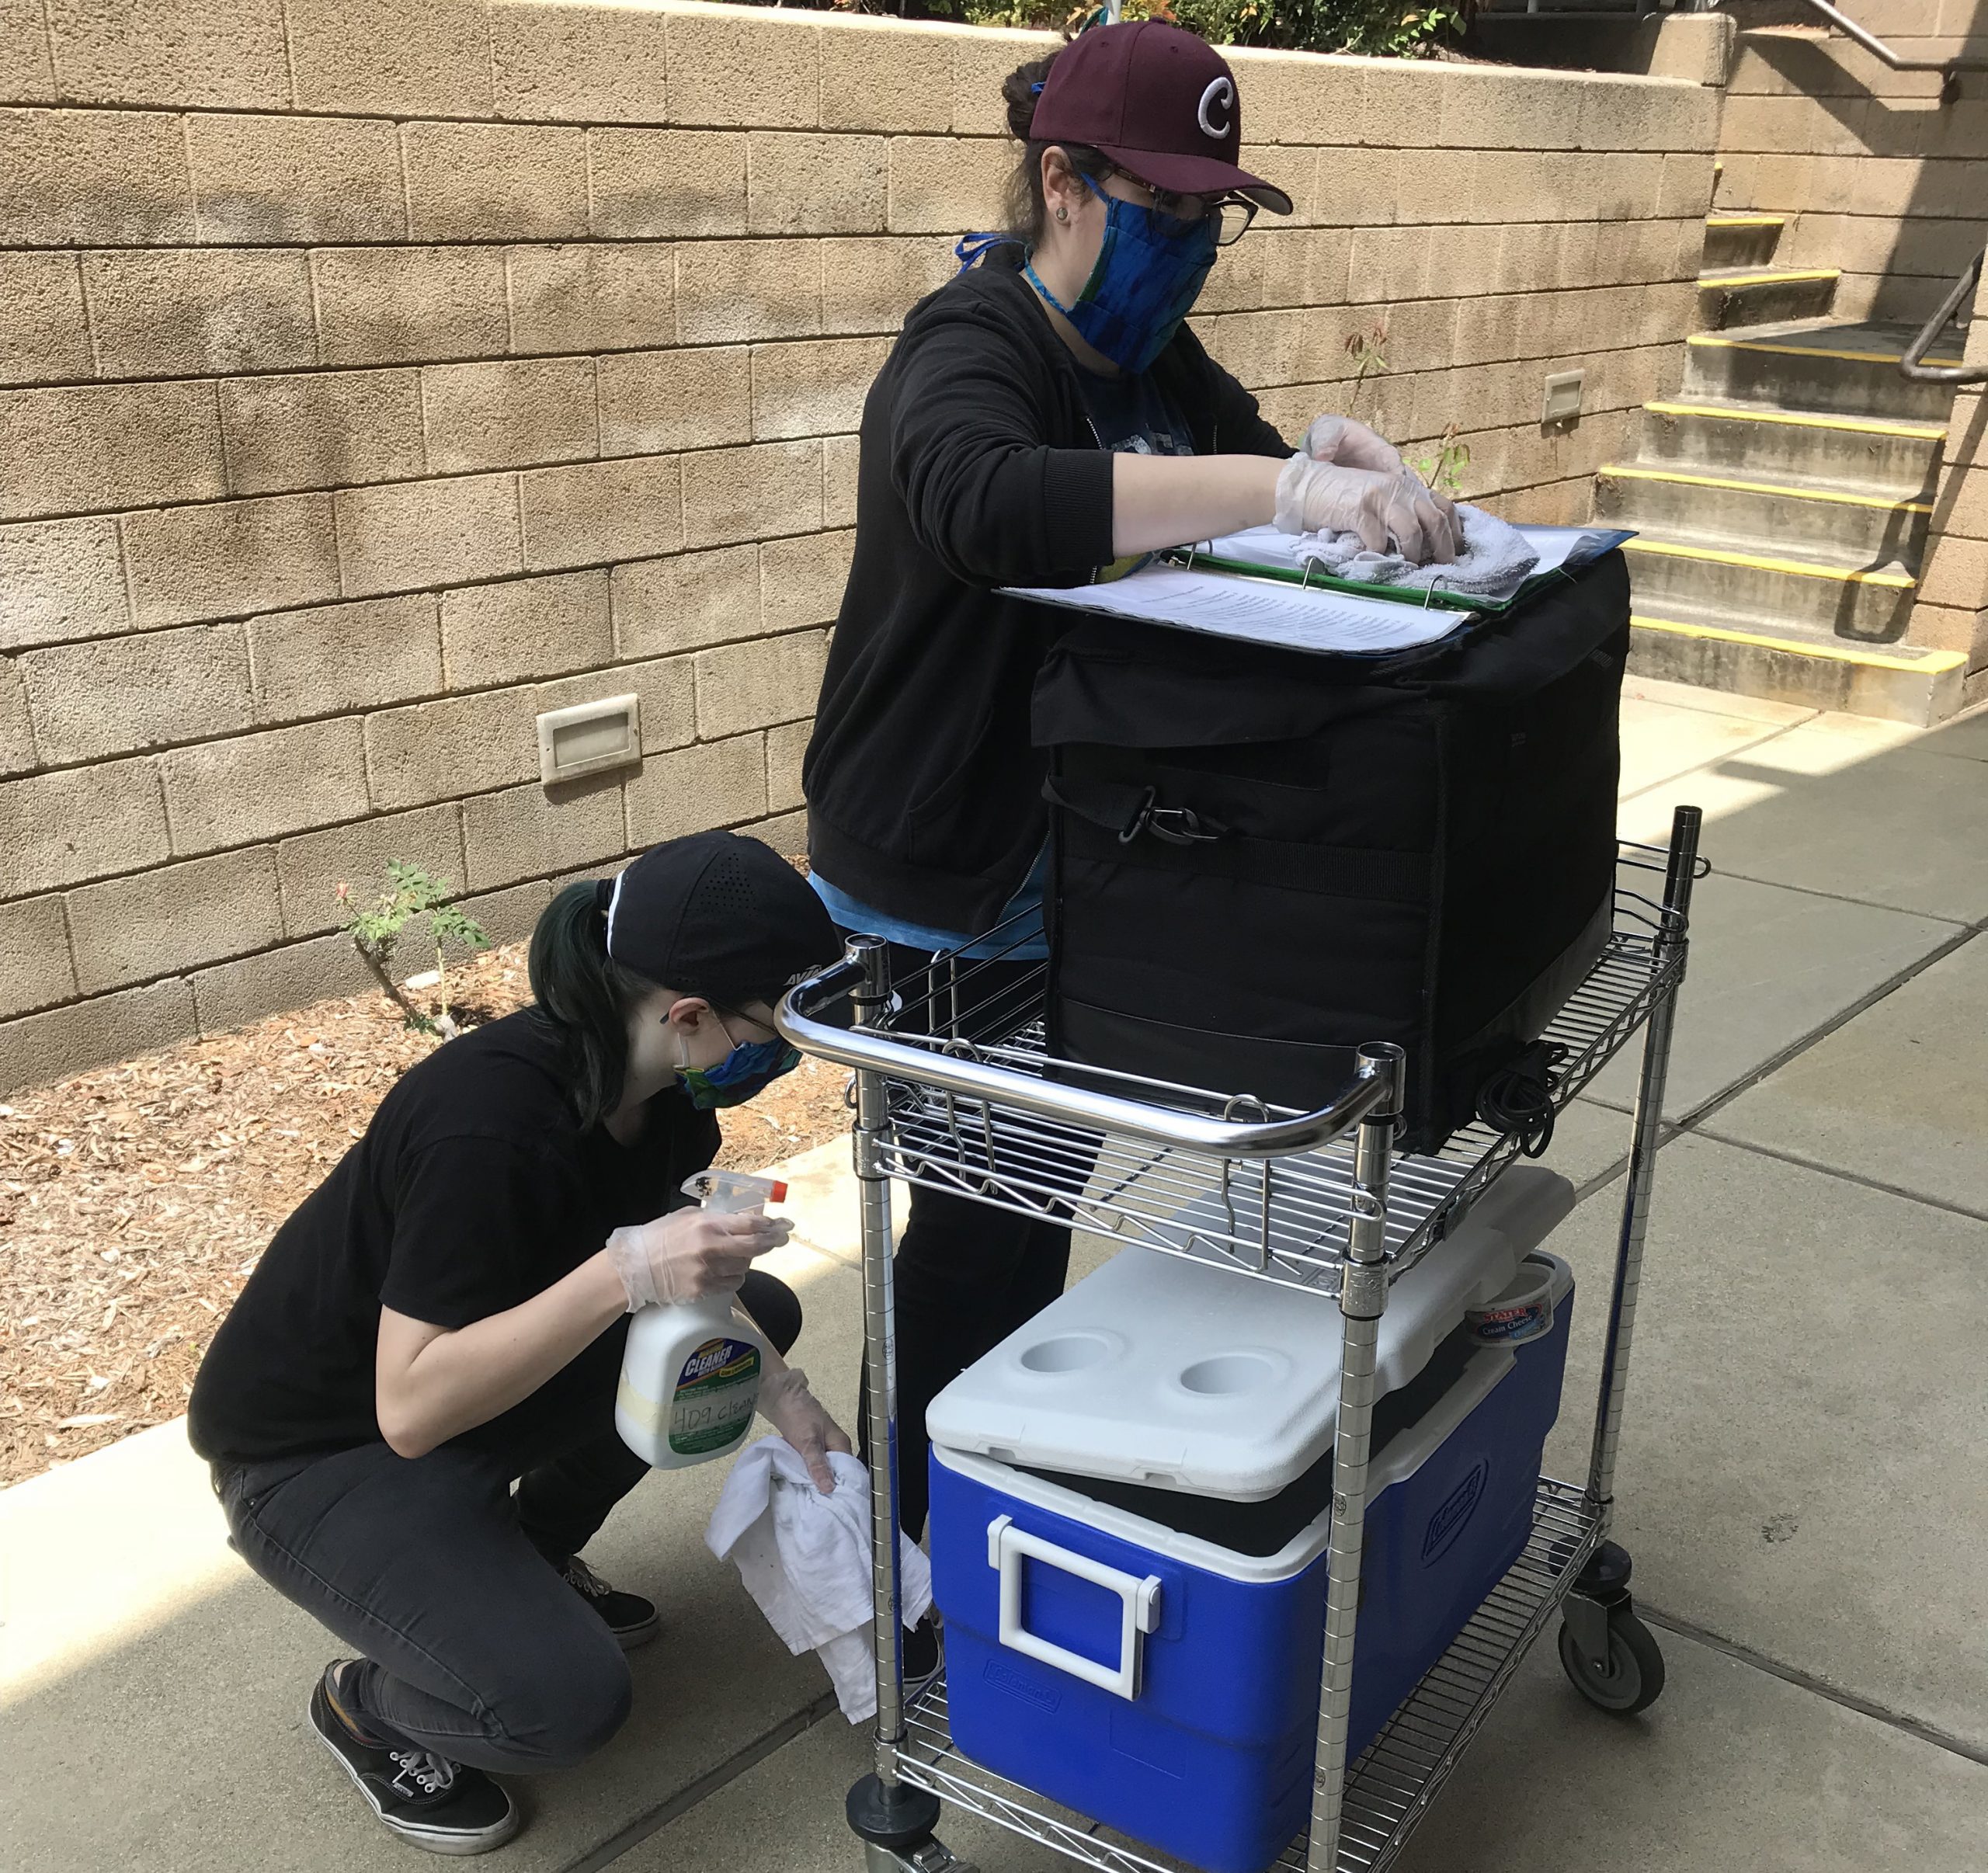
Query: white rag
{"points": [[806, 1558], [1495, 563]]}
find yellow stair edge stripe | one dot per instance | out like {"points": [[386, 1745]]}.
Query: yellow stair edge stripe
{"points": [[1790, 277], [1890, 504], [1746, 221], [1803, 419], [1812, 351], [1803, 568], [1933, 663]]}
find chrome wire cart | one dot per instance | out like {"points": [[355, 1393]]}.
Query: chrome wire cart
{"points": [[955, 1091]]}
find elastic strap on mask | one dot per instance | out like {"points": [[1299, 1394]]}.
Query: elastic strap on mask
{"points": [[1035, 279], [971, 249]]}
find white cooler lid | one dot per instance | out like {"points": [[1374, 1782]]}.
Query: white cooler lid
{"points": [[1182, 1375]]}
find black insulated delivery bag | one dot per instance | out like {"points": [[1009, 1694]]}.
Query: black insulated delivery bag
{"points": [[1260, 859]]}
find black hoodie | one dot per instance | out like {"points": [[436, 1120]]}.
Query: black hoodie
{"points": [[979, 468]]}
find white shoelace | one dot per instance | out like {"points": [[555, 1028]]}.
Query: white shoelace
{"points": [[428, 1773], [586, 1580]]}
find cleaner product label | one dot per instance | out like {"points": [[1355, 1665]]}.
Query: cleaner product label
{"points": [[712, 1403]]}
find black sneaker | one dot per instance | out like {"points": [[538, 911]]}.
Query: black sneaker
{"points": [[427, 1800], [922, 1657], [630, 1617]]}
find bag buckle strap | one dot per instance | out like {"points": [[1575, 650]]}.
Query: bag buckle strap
{"points": [[1171, 825]]}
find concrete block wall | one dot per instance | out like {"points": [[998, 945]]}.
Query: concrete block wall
{"points": [[1883, 176], [374, 378], [1878, 175], [1952, 609]]}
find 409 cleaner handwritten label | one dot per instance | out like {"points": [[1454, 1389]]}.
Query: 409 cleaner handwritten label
{"points": [[711, 1405]]}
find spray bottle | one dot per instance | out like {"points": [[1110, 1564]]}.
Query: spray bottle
{"points": [[690, 1372]]}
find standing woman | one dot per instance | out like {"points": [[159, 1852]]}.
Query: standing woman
{"points": [[1046, 418], [444, 1315]]}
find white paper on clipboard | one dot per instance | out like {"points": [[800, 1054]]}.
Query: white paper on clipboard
{"points": [[1257, 611]]}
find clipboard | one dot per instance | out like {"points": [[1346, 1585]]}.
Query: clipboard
{"points": [[1221, 595], [1569, 548]]}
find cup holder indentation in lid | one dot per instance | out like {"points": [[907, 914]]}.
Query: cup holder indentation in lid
{"points": [[1067, 1353], [1228, 1375]]}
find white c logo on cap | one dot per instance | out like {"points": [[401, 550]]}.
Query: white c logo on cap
{"points": [[1220, 95]]}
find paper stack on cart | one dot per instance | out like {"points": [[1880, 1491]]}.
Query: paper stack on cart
{"points": [[1131, 1504]]}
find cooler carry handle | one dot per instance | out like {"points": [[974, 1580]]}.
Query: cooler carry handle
{"points": [[1008, 1547]]}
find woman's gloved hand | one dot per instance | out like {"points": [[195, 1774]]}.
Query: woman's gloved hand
{"points": [[1352, 445], [690, 1253], [1315, 497], [786, 1404]]}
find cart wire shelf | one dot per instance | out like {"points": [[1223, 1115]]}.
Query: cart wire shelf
{"points": [[1283, 1220], [1394, 1781]]}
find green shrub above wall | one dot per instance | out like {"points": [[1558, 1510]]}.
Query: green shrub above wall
{"points": [[1383, 29]]}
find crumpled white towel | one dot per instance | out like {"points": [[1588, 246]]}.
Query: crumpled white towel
{"points": [[806, 1558], [1495, 563]]}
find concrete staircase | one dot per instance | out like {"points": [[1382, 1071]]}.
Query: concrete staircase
{"points": [[1781, 498]]}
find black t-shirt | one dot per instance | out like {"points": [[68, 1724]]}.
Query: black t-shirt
{"points": [[1132, 415], [473, 1190]]}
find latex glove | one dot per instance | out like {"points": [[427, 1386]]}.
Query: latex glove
{"points": [[786, 1404], [1315, 497], [1352, 445], [690, 1253]]}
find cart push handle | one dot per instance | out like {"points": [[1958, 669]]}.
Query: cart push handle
{"points": [[867, 1050], [1138, 1605]]}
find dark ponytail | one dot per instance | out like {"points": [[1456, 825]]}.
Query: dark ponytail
{"points": [[1023, 204], [586, 995]]}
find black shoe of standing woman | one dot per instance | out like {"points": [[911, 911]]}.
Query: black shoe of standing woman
{"points": [[631, 1618], [427, 1800]]}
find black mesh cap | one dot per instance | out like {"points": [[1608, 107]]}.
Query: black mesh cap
{"points": [[720, 915]]}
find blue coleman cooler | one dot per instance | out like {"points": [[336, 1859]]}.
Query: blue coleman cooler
{"points": [[1131, 1502]]}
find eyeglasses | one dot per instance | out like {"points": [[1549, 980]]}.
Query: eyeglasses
{"points": [[1232, 214], [766, 1028]]}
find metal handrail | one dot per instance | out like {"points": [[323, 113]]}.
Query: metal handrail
{"points": [[1913, 364], [868, 1050], [1949, 69]]}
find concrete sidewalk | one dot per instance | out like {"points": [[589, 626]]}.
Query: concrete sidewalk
{"points": [[1804, 1480]]}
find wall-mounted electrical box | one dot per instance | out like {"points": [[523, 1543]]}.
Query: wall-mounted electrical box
{"points": [[590, 738], [1563, 404]]}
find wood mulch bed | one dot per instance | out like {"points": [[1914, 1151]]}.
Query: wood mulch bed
{"points": [[135, 1200]]}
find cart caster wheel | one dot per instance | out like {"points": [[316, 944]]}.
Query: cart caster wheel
{"points": [[931, 1857], [1632, 1679]]}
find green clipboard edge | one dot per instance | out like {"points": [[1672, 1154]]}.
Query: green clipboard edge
{"points": [[1189, 558]]}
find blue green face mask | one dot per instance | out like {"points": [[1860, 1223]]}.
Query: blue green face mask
{"points": [[746, 1072], [1148, 274]]}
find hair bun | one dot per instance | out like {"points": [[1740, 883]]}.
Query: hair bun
{"points": [[1021, 88]]}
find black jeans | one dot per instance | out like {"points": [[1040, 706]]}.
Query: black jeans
{"points": [[966, 1275], [448, 1585]]}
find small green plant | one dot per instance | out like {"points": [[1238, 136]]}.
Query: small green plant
{"points": [[376, 931], [1444, 471], [1368, 359], [1386, 29]]}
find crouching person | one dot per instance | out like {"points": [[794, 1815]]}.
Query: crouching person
{"points": [[443, 1319]]}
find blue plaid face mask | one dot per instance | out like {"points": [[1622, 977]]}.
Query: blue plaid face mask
{"points": [[1148, 277], [746, 1072]]}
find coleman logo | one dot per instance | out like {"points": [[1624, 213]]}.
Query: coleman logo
{"points": [[1449, 1521], [1018, 1684], [1219, 98]]}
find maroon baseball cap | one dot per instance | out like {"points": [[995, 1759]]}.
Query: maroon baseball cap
{"points": [[1161, 102]]}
